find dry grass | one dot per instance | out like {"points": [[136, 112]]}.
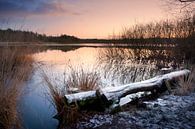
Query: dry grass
{"points": [[15, 67], [55, 93], [78, 78], [66, 114], [83, 80], [186, 84]]}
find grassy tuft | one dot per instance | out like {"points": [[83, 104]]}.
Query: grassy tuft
{"points": [[83, 80], [186, 84], [68, 114]]}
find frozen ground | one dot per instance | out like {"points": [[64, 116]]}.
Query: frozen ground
{"points": [[167, 112]]}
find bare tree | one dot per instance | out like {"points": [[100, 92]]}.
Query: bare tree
{"points": [[179, 7], [186, 0]]}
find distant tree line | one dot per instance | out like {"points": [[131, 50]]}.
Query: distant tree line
{"points": [[10, 35], [164, 31]]}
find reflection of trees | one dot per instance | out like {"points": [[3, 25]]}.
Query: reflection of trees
{"points": [[136, 56], [126, 65]]}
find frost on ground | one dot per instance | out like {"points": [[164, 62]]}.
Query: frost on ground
{"points": [[96, 121], [167, 112]]}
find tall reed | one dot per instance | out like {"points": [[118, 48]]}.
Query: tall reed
{"points": [[186, 84], [66, 114], [82, 79], [15, 68]]}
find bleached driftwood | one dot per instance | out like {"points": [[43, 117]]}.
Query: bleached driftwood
{"points": [[112, 95]]}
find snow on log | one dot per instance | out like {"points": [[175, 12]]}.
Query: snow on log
{"points": [[81, 96], [89, 100], [156, 83], [105, 97]]}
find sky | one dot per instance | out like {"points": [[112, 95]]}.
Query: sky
{"points": [[81, 18]]}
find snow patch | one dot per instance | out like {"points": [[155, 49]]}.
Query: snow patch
{"points": [[130, 97]]}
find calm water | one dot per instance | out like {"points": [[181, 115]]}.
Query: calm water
{"points": [[114, 66]]}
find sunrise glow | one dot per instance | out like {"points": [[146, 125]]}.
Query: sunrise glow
{"points": [[81, 18]]}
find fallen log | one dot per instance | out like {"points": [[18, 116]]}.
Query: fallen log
{"points": [[111, 99], [89, 100], [156, 84], [105, 97]]}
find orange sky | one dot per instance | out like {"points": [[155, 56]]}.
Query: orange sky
{"points": [[88, 18]]}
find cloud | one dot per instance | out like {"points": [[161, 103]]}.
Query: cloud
{"points": [[30, 7]]}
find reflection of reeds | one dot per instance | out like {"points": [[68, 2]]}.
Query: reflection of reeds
{"points": [[15, 67], [118, 55], [130, 65]]}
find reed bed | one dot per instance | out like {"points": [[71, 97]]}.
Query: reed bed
{"points": [[15, 68]]}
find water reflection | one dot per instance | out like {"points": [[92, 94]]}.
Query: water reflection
{"points": [[85, 57], [36, 109], [115, 66]]}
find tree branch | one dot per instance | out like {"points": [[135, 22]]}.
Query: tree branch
{"points": [[187, 0]]}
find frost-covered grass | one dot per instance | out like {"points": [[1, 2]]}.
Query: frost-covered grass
{"points": [[82, 79], [15, 68], [186, 85]]}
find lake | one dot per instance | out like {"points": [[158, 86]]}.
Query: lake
{"points": [[113, 66]]}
